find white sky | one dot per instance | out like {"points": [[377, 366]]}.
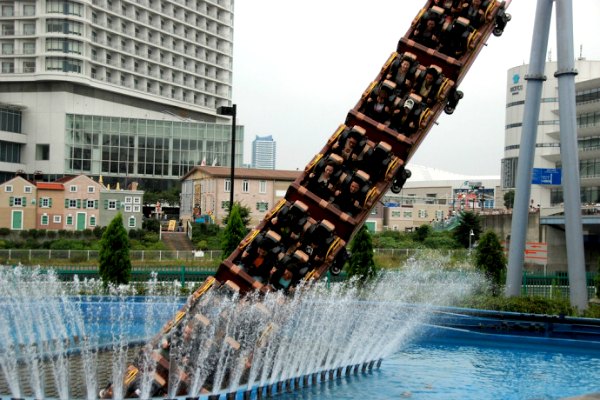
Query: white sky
{"points": [[300, 66]]}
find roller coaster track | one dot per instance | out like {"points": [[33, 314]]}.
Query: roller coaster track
{"points": [[305, 234]]}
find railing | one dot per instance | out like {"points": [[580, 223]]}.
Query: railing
{"points": [[553, 285], [39, 255]]}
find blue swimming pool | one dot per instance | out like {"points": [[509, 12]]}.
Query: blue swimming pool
{"points": [[454, 367]]}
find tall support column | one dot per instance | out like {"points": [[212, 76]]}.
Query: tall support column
{"points": [[565, 74], [535, 79]]}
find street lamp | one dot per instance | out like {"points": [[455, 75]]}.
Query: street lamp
{"points": [[471, 234], [230, 111]]}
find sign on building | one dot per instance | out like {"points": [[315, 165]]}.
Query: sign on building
{"points": [[546, 176]]}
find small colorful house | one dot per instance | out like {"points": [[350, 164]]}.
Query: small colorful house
{"points": [[50, 205], [18, 204]]}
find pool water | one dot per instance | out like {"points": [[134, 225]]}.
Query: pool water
{"points": [[460, 369]]}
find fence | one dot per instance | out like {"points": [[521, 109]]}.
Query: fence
{"points": [[39, 255], [553, 285]]}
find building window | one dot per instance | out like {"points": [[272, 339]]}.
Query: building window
{"points": [[128, 200], [245, 186], [28, 29], [69, 219], [92, 220], [44, 219], [137, 200], [8, 67], [112, 204], [27, 189], [136, 209], [45, 202], [42, 152], [72, 203], [7, 11], [56, 219], [422, 213], [91, 189], [73, 188], [29, 48], [7, 48], [90, 204], [227, 187], [225, 205], [262, 186], [28, 10], [8, 188], [262, 206], [127, 208], [17, 201], [28, 67], [132, 222]]}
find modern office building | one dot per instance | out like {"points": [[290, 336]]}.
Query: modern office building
{"points": [[264, 151], [118, 88], [547, 152]]}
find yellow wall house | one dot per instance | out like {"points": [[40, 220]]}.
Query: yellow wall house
{"points": [[206, 191], [18, 204]]}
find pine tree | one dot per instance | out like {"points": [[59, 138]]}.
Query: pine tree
{"points": [[115, 264], [234, 232], [468, 221], [361, 263], [490, 258]]}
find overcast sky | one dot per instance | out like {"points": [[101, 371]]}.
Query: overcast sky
{"points": [[300, 66]]}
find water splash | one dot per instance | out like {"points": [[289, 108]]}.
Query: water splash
{"points": [[227, 344]]}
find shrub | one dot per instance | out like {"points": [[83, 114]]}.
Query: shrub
{"points": [[151, 225], [51, 234], [4, 231], [114, 262]]}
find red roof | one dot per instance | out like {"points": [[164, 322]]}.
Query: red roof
{"points": [[50, 185]]}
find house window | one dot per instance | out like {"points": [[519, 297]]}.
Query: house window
{"points": [[72, 203], [132, 222], [262, 186], [262, 206], [44, 219], [127, 208], [137, 200], [128, 200], [227, 186], [17, 201], [136, 209], [225, 205], [112, 204], [56, 219], [92, 220], [72, 188], [91, 189], [245, 186], [45, 202], [422, 213], [90, 204], [69, 219], [27, 189], [408, 214], [8, 188]]}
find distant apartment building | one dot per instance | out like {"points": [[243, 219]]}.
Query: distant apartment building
{"points": [[126, 90], [264, 152]]}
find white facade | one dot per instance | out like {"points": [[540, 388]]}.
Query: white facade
{"points": [[264, 152], [547, 152], [158, 60]]}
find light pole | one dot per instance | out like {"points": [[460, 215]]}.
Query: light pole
{"points": [[471, 234], [230, 111]]}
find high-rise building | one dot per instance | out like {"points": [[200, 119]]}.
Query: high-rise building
{"points": [[547, 152], [264, 152], [118, 88]]}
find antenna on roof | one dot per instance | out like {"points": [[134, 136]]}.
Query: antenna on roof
{"points": [[581, 57]]}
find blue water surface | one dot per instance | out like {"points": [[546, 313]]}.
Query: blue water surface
{"points": [[458, 369]]}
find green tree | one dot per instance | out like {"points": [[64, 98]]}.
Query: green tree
{"points": [[244, 214], [361, 263], [490, 258], [422, 232], [468, 221], [234, 232], [509, 199], [115, 264]]}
